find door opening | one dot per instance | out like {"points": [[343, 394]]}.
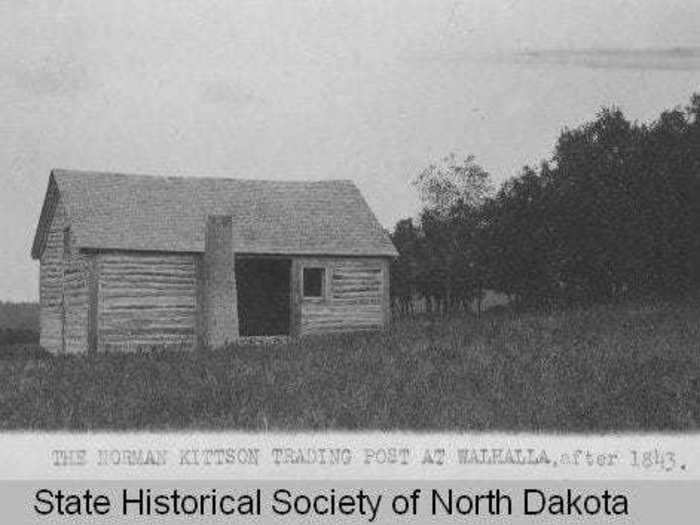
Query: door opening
{"points": [[263, 295]]}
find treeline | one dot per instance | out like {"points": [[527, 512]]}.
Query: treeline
{"points": [[19, 325], [9, 336], [19, 316], [613, 214]]}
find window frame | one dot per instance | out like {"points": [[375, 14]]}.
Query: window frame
{"points": [[324, 285]]}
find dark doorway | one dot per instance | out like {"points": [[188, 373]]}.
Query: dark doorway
{"points": [[263, 295]]}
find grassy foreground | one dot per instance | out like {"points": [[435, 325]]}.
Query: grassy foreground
{"points": [[599, 369]]}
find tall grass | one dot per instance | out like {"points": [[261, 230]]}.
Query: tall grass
{"points": [[598, 369]]}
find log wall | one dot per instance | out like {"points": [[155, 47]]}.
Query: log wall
{"points": [[75, 297], [146, 300], [354, 297], [51, 282], [62, 288]]}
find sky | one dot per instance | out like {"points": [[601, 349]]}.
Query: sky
{"points": [[371, 91]]}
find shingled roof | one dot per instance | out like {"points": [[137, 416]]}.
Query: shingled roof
{"points": [[150, 213]]}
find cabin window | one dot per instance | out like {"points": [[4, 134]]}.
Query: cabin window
{"points": [[313, 280]]}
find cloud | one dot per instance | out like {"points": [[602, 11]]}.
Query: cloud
{"points": [[674, 59]]}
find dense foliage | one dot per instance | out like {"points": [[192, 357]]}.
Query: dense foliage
{"points": [[612, 215]]}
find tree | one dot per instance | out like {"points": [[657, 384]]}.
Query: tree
{"points": [[612, 215], [452, 183], [405, 269], [519, 237], [453, 193]]}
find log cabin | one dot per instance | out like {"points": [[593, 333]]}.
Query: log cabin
{"points": [[131, 262]]}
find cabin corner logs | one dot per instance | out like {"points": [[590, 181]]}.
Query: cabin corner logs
{"points": [[127, 300], [62, 289]]}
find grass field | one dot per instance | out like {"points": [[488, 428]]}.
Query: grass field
{"points": [[598, 369]]}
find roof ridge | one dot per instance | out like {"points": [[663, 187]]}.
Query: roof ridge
{"points": [[92, 173]]}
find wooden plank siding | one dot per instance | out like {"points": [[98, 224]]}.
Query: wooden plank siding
{"points": [[146, 300], [354, 295]]}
